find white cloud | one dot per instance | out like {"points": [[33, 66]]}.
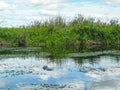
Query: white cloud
{"points": [[2, 82], [24, 11], [43, 2], [6, 6], [113, 1]]}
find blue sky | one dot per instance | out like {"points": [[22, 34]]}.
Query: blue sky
{"points": [[22, 12]]}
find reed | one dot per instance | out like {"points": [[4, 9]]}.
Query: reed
{"points": [[58, 32]]}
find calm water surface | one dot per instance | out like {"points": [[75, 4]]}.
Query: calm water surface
{"points": [[75, 71]]}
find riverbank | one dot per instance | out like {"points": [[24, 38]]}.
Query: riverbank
{"points": [[57, 32]]}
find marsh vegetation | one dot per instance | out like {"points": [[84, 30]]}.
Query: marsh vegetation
{"points": [[57, 32]]}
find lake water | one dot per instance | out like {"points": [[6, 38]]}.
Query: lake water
{"points": [[98, 70]]}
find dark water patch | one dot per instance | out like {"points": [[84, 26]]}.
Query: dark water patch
{"points": [[91, 54], [19, 50]]}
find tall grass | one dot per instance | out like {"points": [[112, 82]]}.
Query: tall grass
{"points": [[58, 32]]}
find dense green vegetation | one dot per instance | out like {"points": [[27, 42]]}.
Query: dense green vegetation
{"points": [[58, 32]]}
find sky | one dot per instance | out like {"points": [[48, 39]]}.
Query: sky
{"points": [[23, 12]]}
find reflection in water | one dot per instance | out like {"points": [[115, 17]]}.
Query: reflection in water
{"points": [[112, 84], [78, 71]]}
